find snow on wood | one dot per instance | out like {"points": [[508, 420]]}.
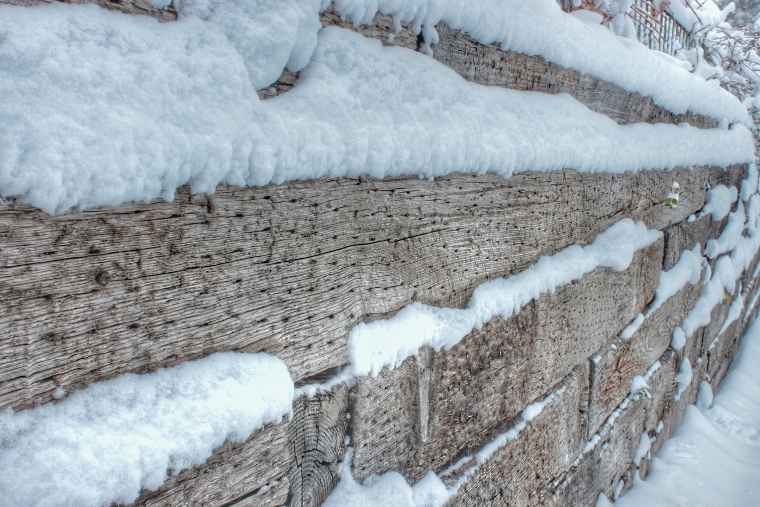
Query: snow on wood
{"points": [[187, 112], [387, 343], [108, 442]]}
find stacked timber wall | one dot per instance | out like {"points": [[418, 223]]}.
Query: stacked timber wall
{"points": [[290, 269]]}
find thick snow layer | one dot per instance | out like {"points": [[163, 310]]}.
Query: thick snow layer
{"points": [[387, 343], [684, 377], [566, 41], [714, 456], [269, 35], [104, 444], [148, 107]]}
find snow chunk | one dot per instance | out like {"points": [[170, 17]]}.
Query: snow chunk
{"points": [[269, 35], [645, 445], [387, 343], [678, 341], [749, 184], [148, 107], [705, 397], [688, 270], [729, 236], [720, 199], [633, 327], [149, 426], [639, 385], [684, 378], [693, 14]]}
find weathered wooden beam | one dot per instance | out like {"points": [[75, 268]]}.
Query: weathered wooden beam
{"points": [[286, 269], [495, 372], [607, 463], [547, 446]]}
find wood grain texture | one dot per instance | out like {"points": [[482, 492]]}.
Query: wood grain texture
{"points": [[547, 446], [286, 269], [491, 375], [613, 370], [317, 438], [143, 7], [293, 463], [608, 463]]}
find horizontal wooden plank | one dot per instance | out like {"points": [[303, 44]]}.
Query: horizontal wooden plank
{"points": [[286, 269], [547, 446]]}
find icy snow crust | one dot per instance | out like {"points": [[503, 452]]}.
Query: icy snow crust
{"points": [[104, 444], [714, 456], [103, 108], [387, 343]]}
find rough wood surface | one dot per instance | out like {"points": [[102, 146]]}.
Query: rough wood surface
{"points": [[547, 446], [287, 269], [294, 463], [493, 373], [126, 6], [317, 440], [613, 370], [608, 463], [488, 64]]}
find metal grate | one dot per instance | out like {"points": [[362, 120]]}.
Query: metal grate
{"points": [[656, 30]]}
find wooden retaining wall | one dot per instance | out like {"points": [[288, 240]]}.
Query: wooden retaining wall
{"points": [[290, 269]]}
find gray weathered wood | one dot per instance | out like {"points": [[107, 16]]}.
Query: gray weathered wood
{"points": [[547, 446], [614, 368], [491, 375], [609, 459], [254, 471], [287, 269]]}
